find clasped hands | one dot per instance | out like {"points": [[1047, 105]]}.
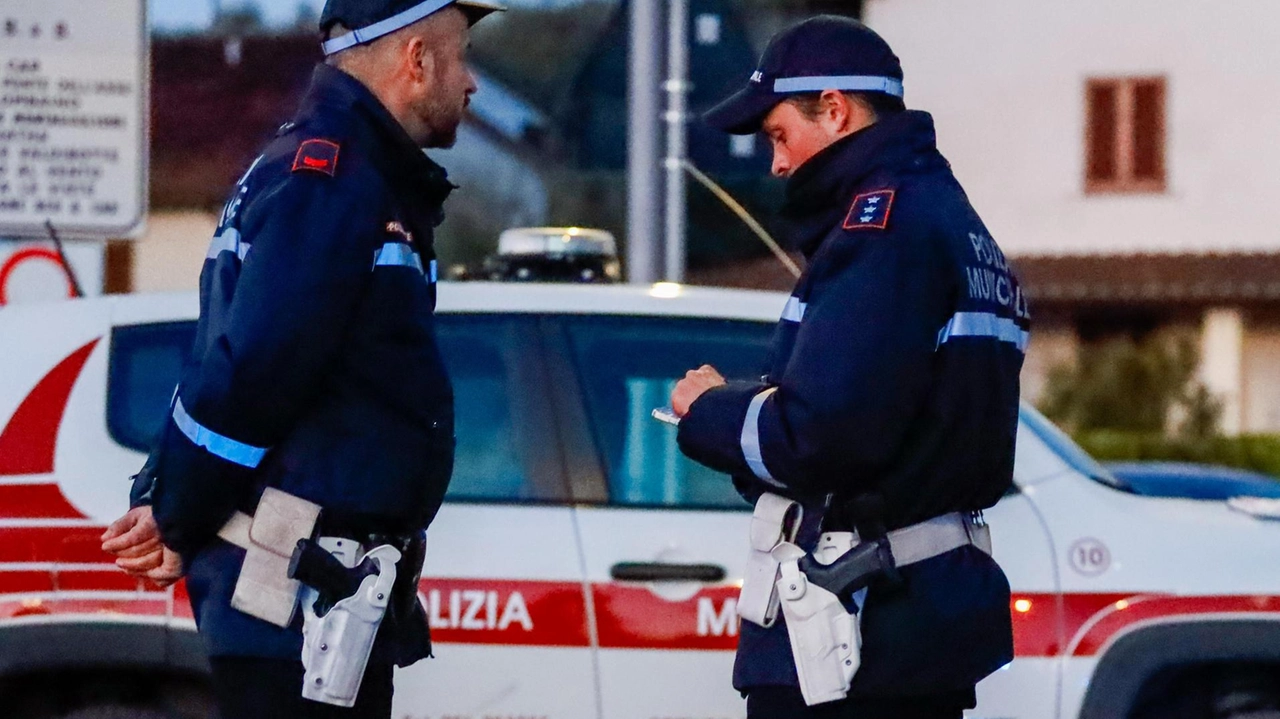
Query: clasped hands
{"points": [[135, 541]]}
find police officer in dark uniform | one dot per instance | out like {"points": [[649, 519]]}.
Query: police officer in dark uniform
{"points": [[891, 398], [315, 370]]}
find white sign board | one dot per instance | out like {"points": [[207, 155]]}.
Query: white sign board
{"points": [[73, 121]]}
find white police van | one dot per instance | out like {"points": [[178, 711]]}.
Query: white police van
{"points": [[582, 567]]}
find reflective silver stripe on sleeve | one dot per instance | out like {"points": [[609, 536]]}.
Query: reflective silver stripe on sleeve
{"points": [[245, 455], [435, 271], [228, 241], [397, 254], [851, 83], [984, 324], [751, 438], [794, 311], [384, 27]]}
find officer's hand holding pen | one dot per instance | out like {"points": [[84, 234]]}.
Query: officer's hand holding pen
{"points": [[694, 384]]}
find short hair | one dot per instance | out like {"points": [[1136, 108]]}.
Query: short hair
{"points": [[879, 104]]}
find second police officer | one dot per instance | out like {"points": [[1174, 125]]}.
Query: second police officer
{"points": [[315, 383], [890, 405]]}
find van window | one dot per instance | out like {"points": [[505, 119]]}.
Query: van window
{"points": [[143, 370], [489, 360], [502, 418], [628, 367]]}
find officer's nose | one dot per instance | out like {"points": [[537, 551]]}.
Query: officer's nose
{"points": [[781, 164]]}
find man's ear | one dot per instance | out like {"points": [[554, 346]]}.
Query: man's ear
{"points": [[835, 108], [419, 60]]}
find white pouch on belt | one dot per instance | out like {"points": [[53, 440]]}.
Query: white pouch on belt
{"points": [[264, 589], [758, 600]]}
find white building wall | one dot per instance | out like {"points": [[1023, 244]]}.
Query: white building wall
{"points": [[1261, 370], [1005, 81], [170, 254]]}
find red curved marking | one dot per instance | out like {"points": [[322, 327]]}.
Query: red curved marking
{"points": [[35, 501], [27, 444], [1166, 608], [32, 253]]}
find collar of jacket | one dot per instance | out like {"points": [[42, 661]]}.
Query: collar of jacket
{"points": [[819, 193], [333, 90]]}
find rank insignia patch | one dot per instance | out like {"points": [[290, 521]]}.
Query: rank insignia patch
{"points": [[317, 156], [870, 211]]}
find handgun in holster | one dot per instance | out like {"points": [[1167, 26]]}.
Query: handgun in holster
{"points": [[344, 598]]}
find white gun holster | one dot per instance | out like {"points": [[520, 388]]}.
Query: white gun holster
{"points": [[336, 647], [264, 589], [826, 640], [775, 521]]}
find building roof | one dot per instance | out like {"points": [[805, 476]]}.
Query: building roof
{"points": [[1110, 280], [1147, 279], [216, 102]]}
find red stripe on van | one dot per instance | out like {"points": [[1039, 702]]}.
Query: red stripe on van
{"points": [[491, 611], [1124, 615], [633, 617], [27, 444], [77, 545]]}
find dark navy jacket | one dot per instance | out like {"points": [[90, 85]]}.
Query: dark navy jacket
{"points": [[315, 367], [891, 398]]}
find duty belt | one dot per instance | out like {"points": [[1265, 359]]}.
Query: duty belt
{"points": [[776, 521], [809, 588], [269, 537]]}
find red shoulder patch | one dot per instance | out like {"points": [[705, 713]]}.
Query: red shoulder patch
{"points": [[870, 211], [317, 156]]}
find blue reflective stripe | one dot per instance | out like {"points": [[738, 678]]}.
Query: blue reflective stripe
{"points": [[751, 438], [984, 324], [228, 241], [435, 271], [384, 27], [852, 83], [794, 311], [245, 455], [397, 254]]}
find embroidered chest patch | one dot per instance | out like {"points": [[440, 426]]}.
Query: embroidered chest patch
{"points": [[870, 211], [317, 156]]}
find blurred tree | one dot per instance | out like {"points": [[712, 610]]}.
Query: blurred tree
{"points": [[239, 21], [306, 20], [1133, 386]]}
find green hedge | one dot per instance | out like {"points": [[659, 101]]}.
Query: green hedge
{"points": [[1257, 452]]}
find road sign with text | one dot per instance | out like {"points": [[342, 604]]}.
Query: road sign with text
{"points": [[73, 121]]}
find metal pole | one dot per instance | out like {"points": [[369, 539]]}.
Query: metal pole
{"points": [[643, 153], [677, 87]]}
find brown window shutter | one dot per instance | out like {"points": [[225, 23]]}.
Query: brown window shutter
{"points": [[1102, 101], [1148, 131], [118, 271]]}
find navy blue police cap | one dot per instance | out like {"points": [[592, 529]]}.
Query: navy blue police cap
{"points": [[827, 52], [368, 20]]}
